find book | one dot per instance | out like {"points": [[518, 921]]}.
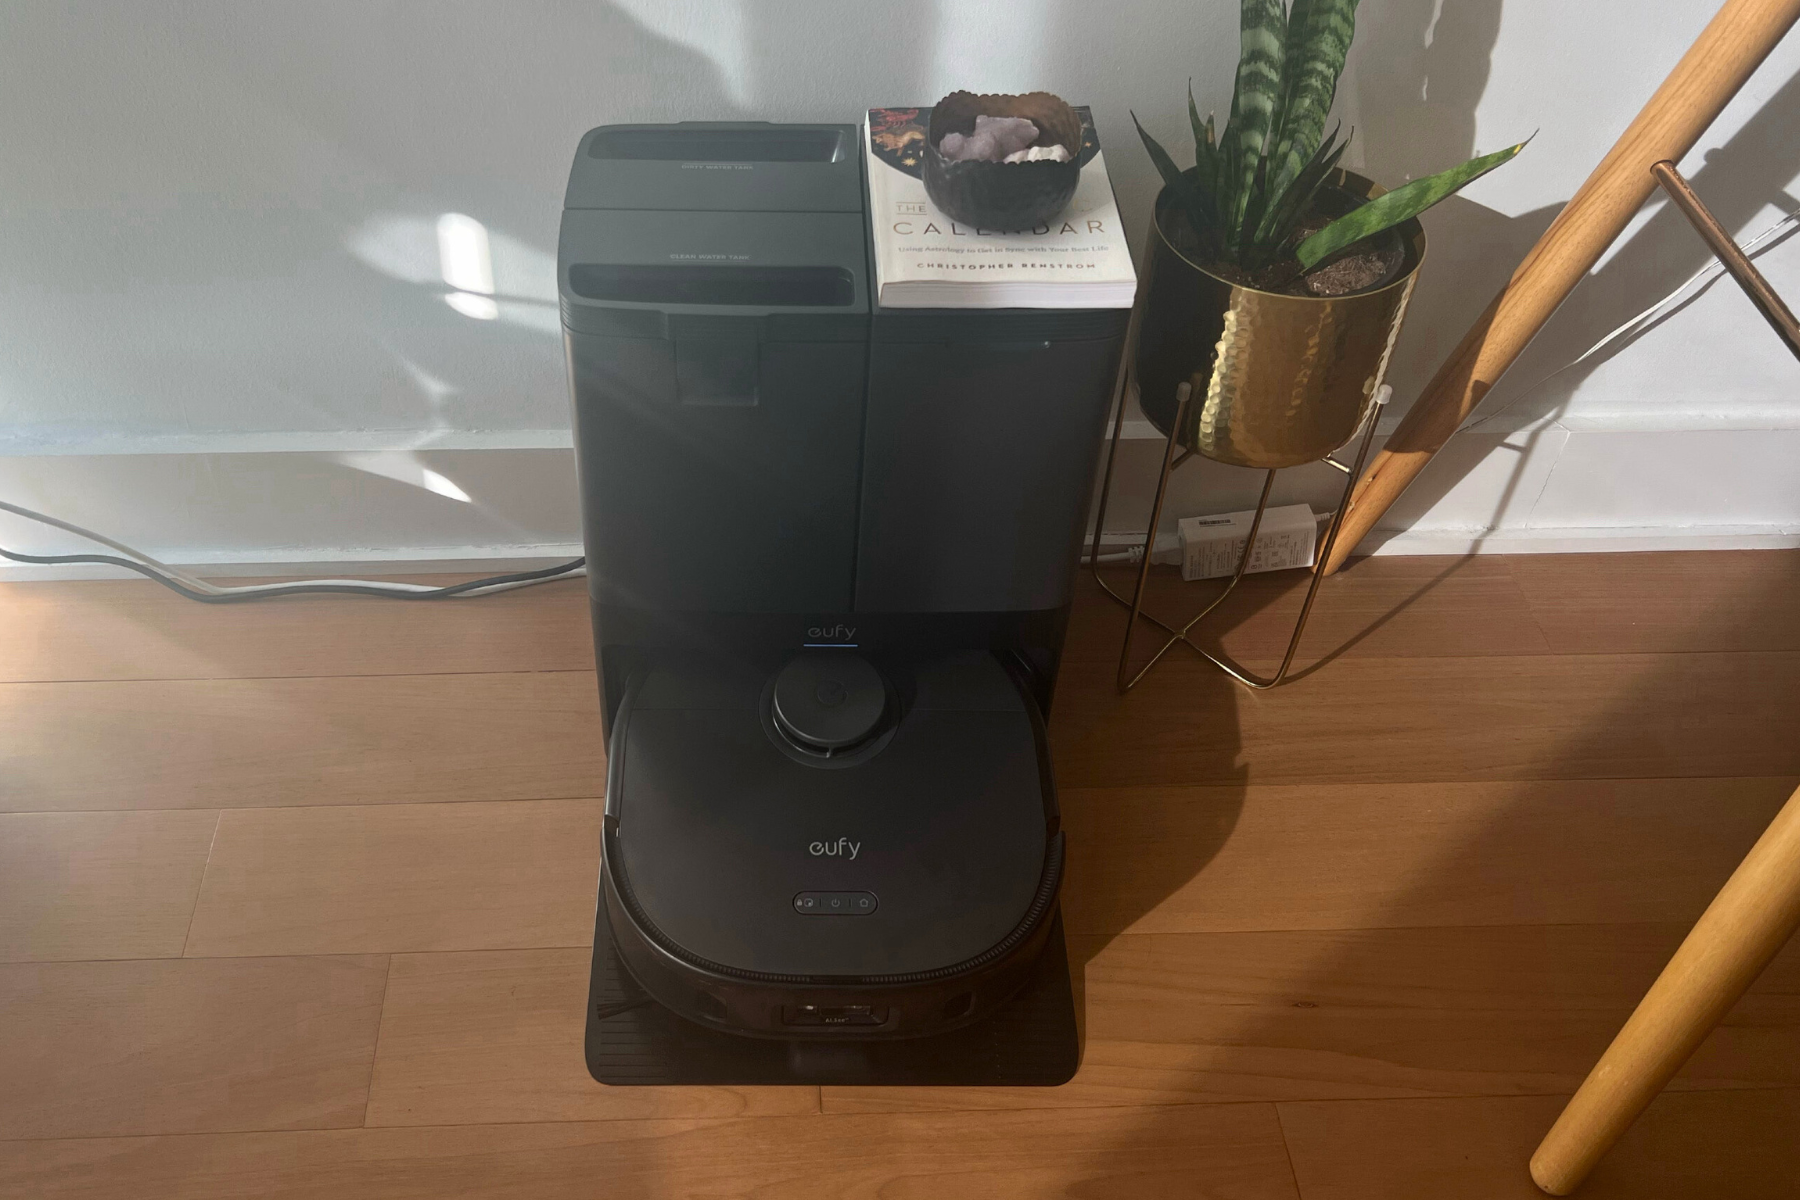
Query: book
{"points": [[923, 259]]}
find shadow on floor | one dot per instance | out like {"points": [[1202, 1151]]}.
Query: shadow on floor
{"points": [[1381, 1009]]}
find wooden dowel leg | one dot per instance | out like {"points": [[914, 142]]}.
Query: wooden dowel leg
{"points": [[1748, 922]]}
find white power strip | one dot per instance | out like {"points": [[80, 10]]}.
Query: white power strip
{"points": [[1214, 546], [1122, 546]]}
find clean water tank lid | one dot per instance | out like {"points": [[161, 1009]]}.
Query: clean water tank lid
{"points": [[716, 166], [617, 269]]}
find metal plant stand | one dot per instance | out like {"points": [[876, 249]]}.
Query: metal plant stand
{"points": [[1252, 378], [1128, 679]]}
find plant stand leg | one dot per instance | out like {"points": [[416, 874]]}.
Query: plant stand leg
{"points": [[1106, 497], [1748, 922], [1319, 560], [1112, 453], [1128, 679]]}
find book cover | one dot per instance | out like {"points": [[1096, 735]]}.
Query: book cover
{"points": [[923, 259]]}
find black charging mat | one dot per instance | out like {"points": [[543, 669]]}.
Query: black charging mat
{"points": [[1031, 1042]]}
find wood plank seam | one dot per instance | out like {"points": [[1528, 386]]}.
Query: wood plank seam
{"points": [[387, 982], [195, 906], [1196, 1105], [1531, 608], [1288, 1149]]}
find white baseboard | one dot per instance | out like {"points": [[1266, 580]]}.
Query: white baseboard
{"points": [[339, 562], [1579, 541]]}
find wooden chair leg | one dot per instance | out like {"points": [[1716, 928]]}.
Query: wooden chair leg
{"points": [[1746, 925]]}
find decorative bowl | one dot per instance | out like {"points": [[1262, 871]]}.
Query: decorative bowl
{"points": [[1003, 196]]}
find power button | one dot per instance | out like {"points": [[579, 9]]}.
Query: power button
{"points": [[835, 904]]}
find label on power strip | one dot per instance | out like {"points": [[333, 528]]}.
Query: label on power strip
{"points": [[1212, 546]]}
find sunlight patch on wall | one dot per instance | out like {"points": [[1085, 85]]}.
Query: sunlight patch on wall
{"points": [[467, 265], [482, 308], [464, 257], [481, 273]]}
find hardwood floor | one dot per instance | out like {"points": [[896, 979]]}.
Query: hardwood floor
{"points": [[295, 901], [279, 741]]}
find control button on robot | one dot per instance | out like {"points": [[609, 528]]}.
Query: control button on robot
{"points": [[836, 904]]}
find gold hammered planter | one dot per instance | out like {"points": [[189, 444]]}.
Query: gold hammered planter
{"points": [[1277, 380]]}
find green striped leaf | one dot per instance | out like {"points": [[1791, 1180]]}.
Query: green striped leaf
{"points": [[1296, 201], [1191, 192], [1262, 34], [1318, 40], [1252, 253], [1206, 155], [1165, 166], [1403, 203], [1225, 191]]}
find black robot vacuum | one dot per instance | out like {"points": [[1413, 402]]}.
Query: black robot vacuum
{"points": [[831, 549], [885, 859]]}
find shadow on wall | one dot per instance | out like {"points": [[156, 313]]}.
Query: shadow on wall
{"points": [[468, 107], [464, 153], [485, 274], [1475, 250], [1418, 117], [1418, 110], [231, 156], [1737, 180]]}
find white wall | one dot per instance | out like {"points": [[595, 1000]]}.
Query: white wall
{"points": [[223, 325]]}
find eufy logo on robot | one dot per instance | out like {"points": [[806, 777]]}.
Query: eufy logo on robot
{"points": [[842, 848], [831, 633]]}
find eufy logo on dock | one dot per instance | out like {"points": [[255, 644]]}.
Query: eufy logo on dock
{"points": [[839, 634], [842, 848]]}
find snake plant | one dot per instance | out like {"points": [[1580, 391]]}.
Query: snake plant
{"points": [[1249, 197]]}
